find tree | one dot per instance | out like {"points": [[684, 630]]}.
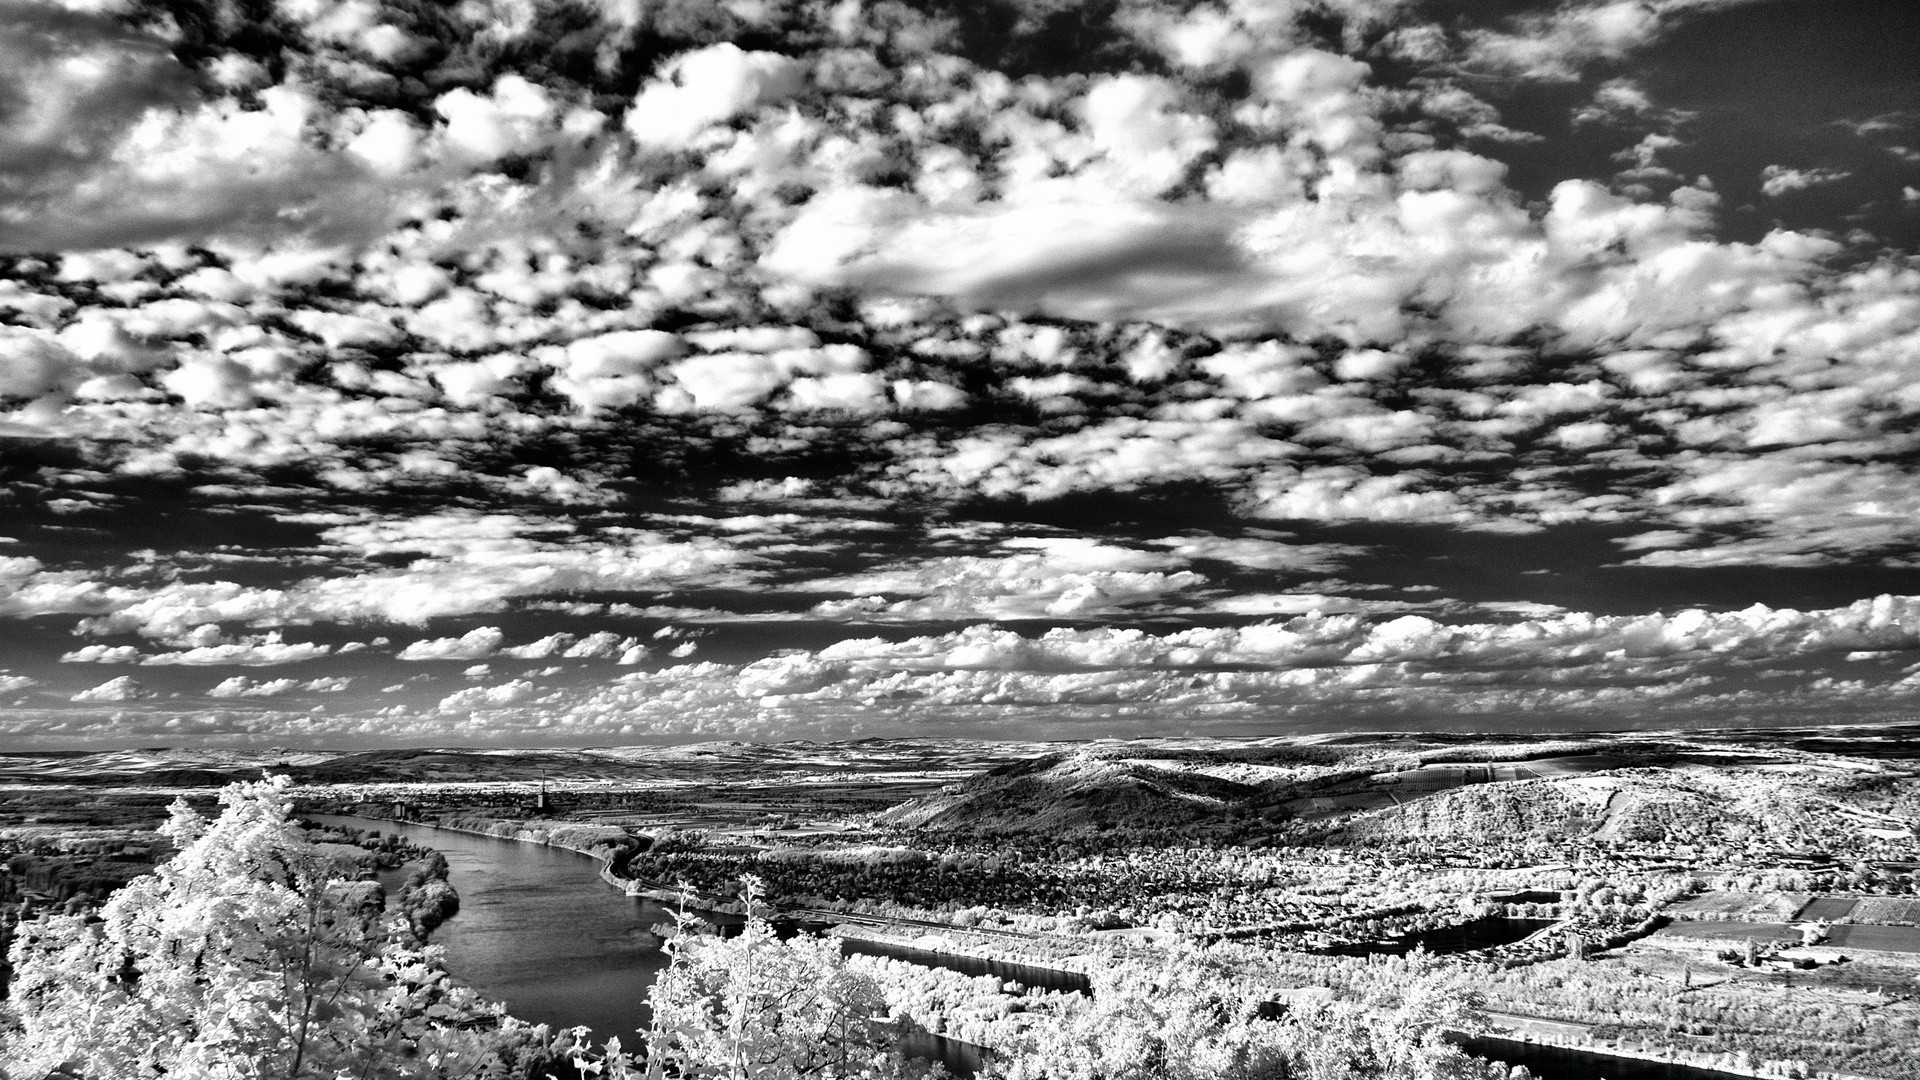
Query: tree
{"points": [[753, 1007], [249, 956], [1172, 1021], [1182, 1019]]}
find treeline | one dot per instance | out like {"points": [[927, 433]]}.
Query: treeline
{"points": [[426, 899]]}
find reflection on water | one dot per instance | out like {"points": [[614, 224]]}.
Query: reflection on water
{"points": [[960, 1058]]}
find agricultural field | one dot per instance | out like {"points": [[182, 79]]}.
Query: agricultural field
{"points": [[1748, 906]]}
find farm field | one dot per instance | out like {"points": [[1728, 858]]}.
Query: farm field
{"points": [[1728, 931], [1900, 939]]}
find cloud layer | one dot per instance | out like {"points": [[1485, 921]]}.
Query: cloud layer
{"points": [[543, 371]]}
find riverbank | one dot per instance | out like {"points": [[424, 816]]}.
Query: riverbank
{"points": [[540, 932], [575, 838]]}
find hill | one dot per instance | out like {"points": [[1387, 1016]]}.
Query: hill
{"points": [[1627, 789], [1078, 791]]}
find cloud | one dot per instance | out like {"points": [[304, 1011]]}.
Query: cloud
{"points": [[1555, 47], [1778, 180], [613, 370], [857, 331], [705, 86], [1616, 101], [123, 688], [265, 650], [241, 687], [1092, 261], [1339, 665], [1136, 120], [516, 118], [478, 697], [474, 644], [1333, 493], [1038, 578], [467, 565], [1316, 640], [103, 654]]}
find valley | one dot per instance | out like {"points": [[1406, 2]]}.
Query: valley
{"points": [[1743, 901]]}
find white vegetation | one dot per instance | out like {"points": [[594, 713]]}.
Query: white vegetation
{"points": [[254, 955], [248, 956], [754, 1007], [1184, 1020], [757, 1008]]}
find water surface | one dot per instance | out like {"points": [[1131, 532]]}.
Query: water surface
{"points": [[1487, 933], [1560, 1063], [539, 931]]}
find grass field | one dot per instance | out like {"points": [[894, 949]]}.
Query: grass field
{"points": [[1901, 939], [1729, 931], [1750, 906], [1830, 908], [1886, 911]]}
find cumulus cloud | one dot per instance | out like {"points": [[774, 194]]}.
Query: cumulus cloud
{"points": [[103, 654], [265, 650], [476, 643], [483, 696], [706, 86], [1350, 665], [1778, 180], [471, 565], [240, 686], [123, 688], [1556, 46], [1039, 577], [516, 118], [805, 331]]}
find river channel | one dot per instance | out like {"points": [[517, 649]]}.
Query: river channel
{"points": [[540, 931]]}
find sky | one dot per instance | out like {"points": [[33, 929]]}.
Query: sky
{"points": [[522, 372]]}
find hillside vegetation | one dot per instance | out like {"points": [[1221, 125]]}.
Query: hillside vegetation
{"points": [[1661, 791]]}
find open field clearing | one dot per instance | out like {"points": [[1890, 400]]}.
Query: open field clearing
{"points": [[1886, 911], [1755, 907], [1900, 939]]}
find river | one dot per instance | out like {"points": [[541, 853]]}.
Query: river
{"points": [[540, 931]]}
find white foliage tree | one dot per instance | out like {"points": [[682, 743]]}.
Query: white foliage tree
{"points": [[1183, 1019], [754, 1007], [248, 956]]}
